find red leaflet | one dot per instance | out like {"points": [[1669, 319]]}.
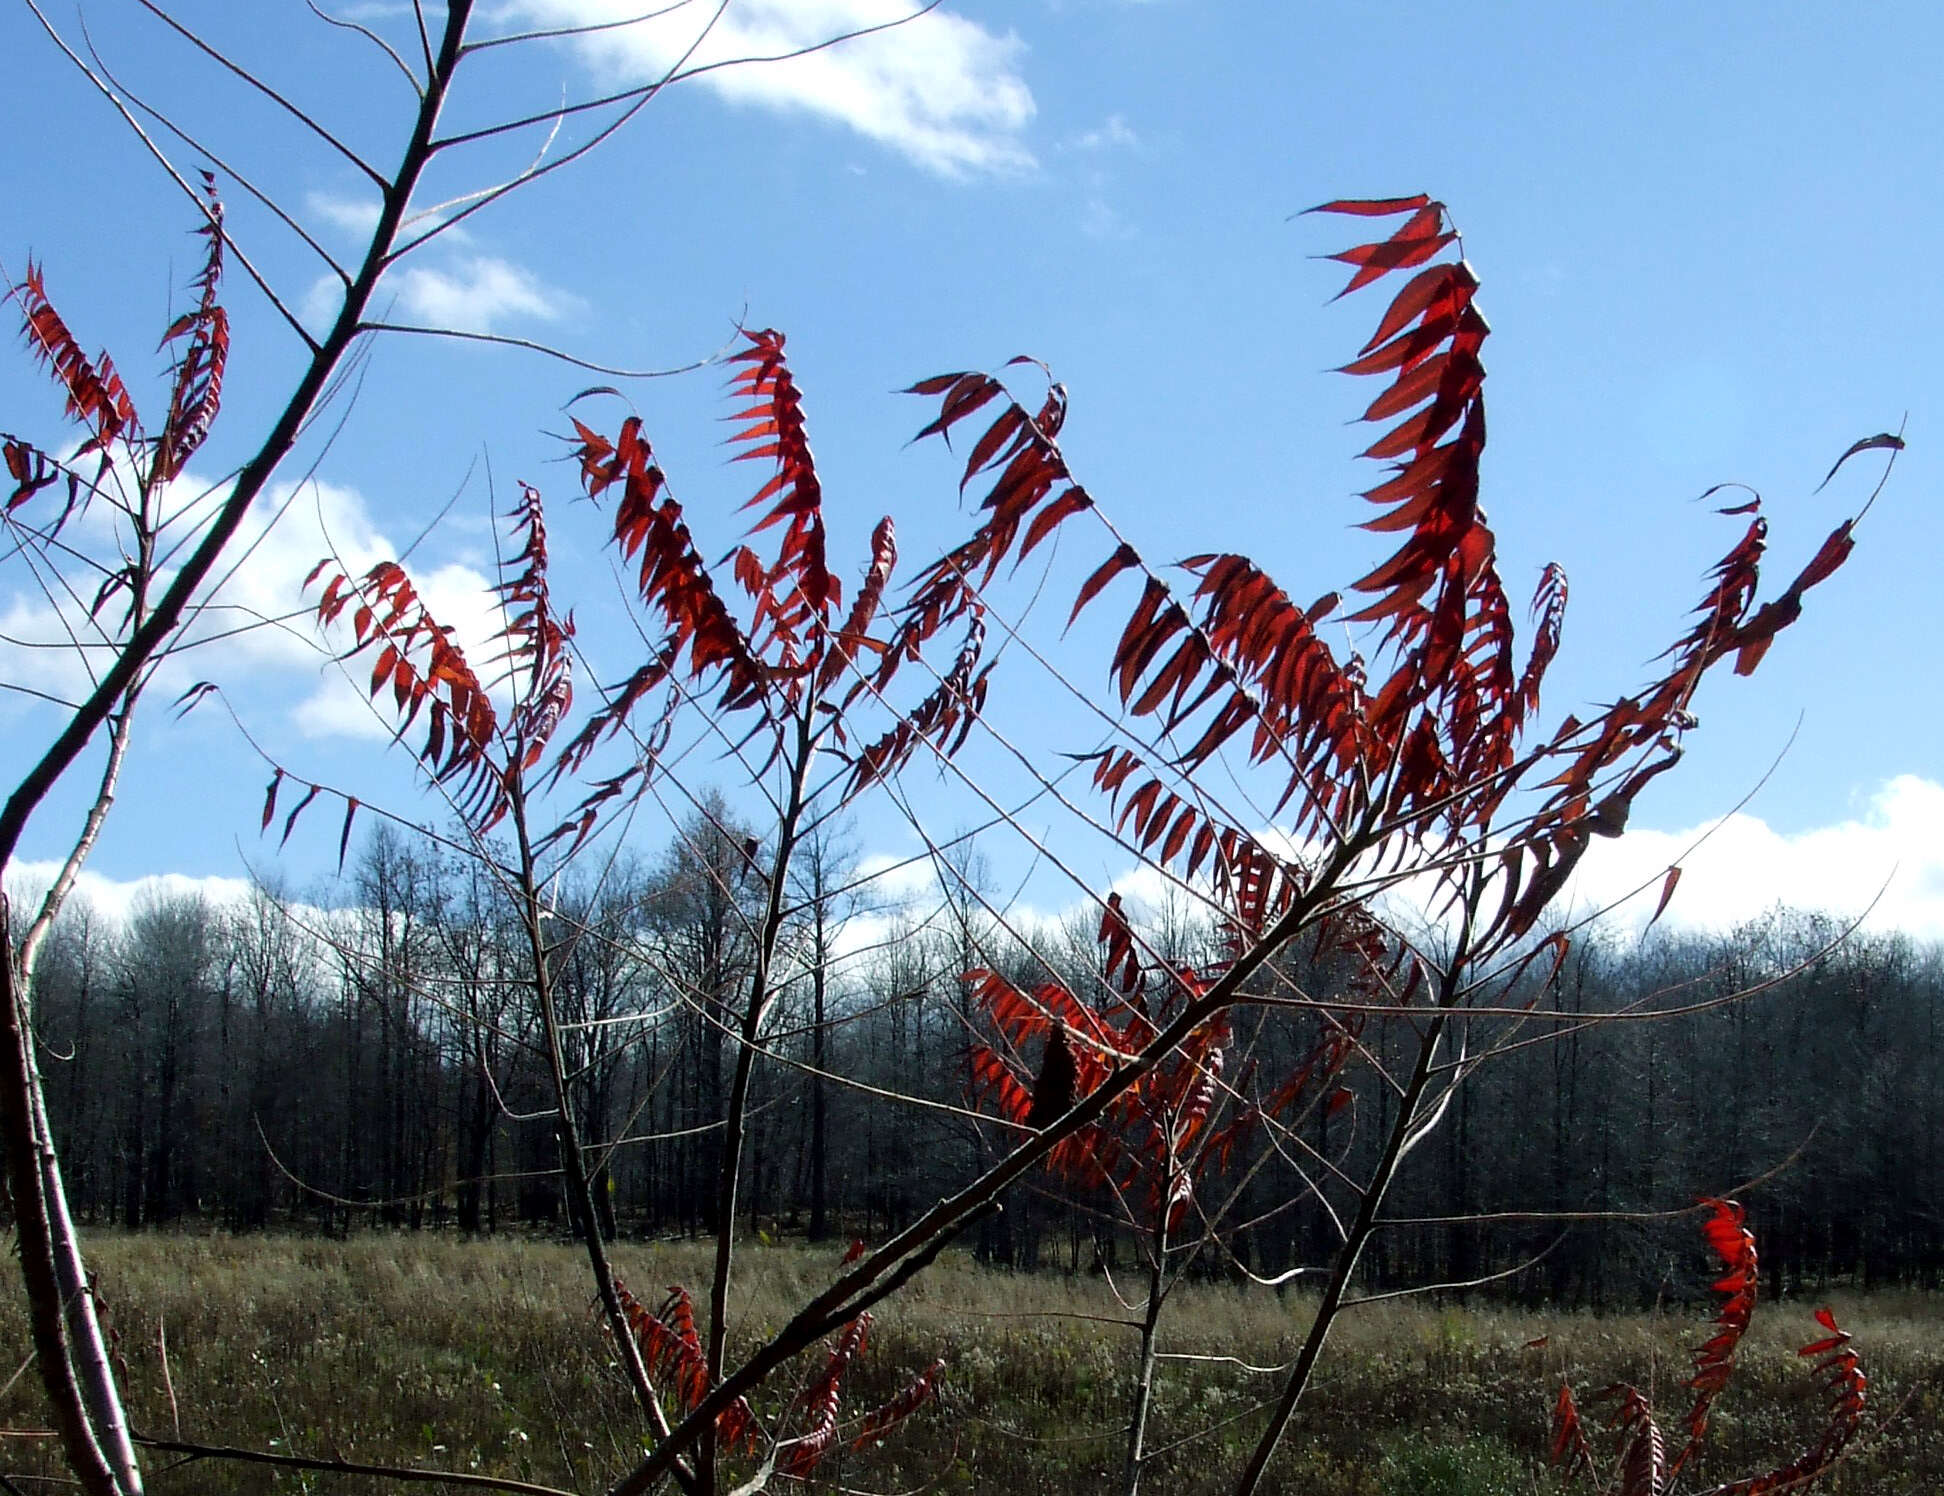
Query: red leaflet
{"points": [[1123, 557], [773, 427], [1668, 885], [1372, 207], [196, 393], [1882, 441], [427, 673], [270, 799], [1122, 964], [344, 836], [881, 1420], [1714, 1361], [95, 394]]}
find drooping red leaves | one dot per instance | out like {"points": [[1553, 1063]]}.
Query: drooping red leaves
{"points": [[855, 635], [944, 718], [701, 642], [1436, 741], [820, 1402], [1570, 1446], [1421, 236], [1032, 495], [1643, 1452], [534, 653], [196, 392], [796, 589], [33, 470], [1714, 1360], [1157, 1141], [425, 672], [887, 1416], [673, 1353], [1845, 1393], [1643, 1468], [96, 396]]}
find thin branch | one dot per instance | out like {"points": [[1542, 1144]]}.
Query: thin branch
{"points": [[403, 1473], [583, 30], [267, 91], [371, 36], [531, 346], [188, 191], [228, 170]]}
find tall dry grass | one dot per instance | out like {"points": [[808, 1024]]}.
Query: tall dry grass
{"points": [[486, 1356]]}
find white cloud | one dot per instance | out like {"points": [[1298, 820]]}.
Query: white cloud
{"points": [[1888, 860], [117, 898], [943, 91], [354, 215], [1100, 220], [1112, 133], [469, 292], [476, 294], [897, 879], [1746, 867]]}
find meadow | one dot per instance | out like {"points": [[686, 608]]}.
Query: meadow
{"points": [[489, 1357]]}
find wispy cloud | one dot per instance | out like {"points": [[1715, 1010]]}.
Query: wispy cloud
{"points": [[1112, 133], [943, 91], [477, 294], [473, 293], [350, 215]]}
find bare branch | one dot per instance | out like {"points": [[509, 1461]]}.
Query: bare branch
{"points": [[374, 38], [609, 370], [405, 1474], [268, 92]]}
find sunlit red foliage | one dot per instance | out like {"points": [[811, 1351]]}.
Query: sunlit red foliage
{"points": [[1642, 1467]]}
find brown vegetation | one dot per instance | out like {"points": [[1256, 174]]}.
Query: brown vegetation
{"points": [[386, 1347]]}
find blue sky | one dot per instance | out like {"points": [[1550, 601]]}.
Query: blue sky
{"points": [[1705, 235]]}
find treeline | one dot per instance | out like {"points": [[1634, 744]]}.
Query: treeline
{"points": [[381, 1063]]}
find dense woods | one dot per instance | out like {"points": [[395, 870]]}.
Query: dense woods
{"points": [[249, 1066]]}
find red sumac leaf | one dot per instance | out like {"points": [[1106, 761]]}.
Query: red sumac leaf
{"points": [[1882, 440], [1114, 565], [1668, 885], [344, 836], [1373, 207]]}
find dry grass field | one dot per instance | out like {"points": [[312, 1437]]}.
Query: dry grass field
{"points": [[486, 1357]]}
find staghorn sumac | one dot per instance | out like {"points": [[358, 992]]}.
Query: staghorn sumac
{"points": [[1641, 1465]]}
